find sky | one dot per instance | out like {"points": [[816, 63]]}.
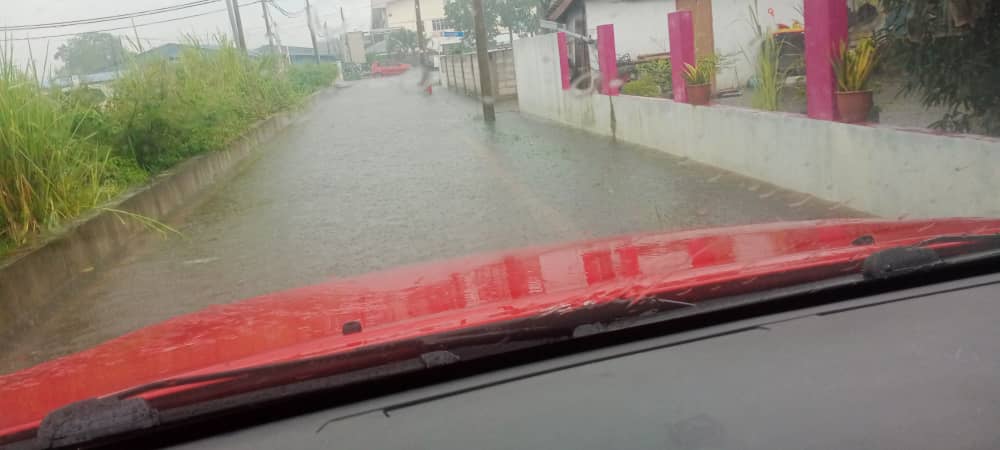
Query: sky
{"points": [[292, 31]]}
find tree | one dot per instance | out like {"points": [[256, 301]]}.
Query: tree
{"points": [[402, 41], [459, 14], [517, 16], [947, 50], [90, 53]]}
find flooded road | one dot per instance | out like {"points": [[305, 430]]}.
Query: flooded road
{"points": [[378, 175]]}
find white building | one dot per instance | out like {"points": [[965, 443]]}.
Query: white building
{"points": [[641, 27], [402, 14]]}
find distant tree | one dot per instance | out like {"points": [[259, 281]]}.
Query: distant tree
{"points": [[948, 52], [518, 16], [459, 14], [90, 53], [402, 41]]}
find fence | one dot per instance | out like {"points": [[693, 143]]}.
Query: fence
{"points": [[461, 73], [883, 170]]}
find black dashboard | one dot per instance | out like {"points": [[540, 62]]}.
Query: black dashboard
{"points": [[912, 369]]}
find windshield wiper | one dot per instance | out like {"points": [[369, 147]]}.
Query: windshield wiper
{"points": [[905, 260]]}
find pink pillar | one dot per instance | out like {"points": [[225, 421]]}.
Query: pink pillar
{"points": [[607, 61], [680, 26], [826, 28], [563, 59]]}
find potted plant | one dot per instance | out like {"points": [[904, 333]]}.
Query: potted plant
{"points": [[853, 67], [699, 80]]}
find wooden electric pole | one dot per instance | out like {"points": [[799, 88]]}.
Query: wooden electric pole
{"points": [[485, 85], [234, 16], [267, 25], [312, 32], [421, 43]]}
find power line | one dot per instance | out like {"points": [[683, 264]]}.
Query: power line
{"points": [[284, 11], [69, 23], [129, 27]]}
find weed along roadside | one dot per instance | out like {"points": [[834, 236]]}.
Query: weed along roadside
{"points": [[67, 159]]}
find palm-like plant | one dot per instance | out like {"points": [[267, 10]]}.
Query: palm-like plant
{"points": [[853, 66]]}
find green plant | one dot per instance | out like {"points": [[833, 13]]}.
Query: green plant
{"points": [[642, 88], [702, 72], [50, 170], [769, 77], [853, 65], [659, 72]]}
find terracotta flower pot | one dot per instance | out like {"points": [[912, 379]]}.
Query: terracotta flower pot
{"points": [[855, 106], [699, 94]]}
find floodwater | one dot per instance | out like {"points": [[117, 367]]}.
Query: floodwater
{"points": [[379, 174]]}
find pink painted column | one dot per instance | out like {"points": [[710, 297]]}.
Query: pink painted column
{"points": [[826, 28], [607, 61], [563, 59], [680, 26]]}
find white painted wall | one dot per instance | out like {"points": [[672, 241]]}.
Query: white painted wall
{"points": [[640, 26], [882, 170]]}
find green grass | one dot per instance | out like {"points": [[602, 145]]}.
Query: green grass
{"points": [[64, 153]]}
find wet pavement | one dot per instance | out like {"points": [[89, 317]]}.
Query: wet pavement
{"points": [[378, 175]]}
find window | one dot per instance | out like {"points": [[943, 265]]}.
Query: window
{"points": [[440, 24]]}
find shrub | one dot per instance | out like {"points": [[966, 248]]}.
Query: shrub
{"points": [[948, 53], [166, 111], [642, 88], [659, 72]]}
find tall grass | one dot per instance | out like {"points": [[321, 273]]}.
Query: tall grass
{"points": [[64, 153], [50, 170]]}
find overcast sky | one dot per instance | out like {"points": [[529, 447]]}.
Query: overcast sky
{"points": [[292, 31]]}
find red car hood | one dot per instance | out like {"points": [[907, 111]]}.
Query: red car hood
{"points": [[444, 296]]}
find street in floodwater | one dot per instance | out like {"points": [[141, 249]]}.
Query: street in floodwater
{"points": [[378, 175]]}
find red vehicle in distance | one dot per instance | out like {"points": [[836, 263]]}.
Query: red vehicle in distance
{"points": [[379, 70]]}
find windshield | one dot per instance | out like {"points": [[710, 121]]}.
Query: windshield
{"points": [[406, 166]]}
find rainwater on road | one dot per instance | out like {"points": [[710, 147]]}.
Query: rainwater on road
{"points": [[378, 175]]}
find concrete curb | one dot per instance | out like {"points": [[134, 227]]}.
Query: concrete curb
{"points": [[31, 278]]}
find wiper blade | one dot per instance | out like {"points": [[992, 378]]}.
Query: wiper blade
{"points": [[905, 260]]}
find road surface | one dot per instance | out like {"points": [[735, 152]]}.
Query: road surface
{"points": [[379, 175]]}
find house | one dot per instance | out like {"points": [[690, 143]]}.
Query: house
{"points": [[402, 14], [641, 29]]}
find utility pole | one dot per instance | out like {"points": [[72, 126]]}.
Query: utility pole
{"points": [[326, 36], [420, 33], [267, 25], [237, 23], [485, 85], [312, 32]]}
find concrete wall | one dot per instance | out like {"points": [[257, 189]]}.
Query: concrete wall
{"points": [[461, 73], [32, 277], [885, 171]]}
